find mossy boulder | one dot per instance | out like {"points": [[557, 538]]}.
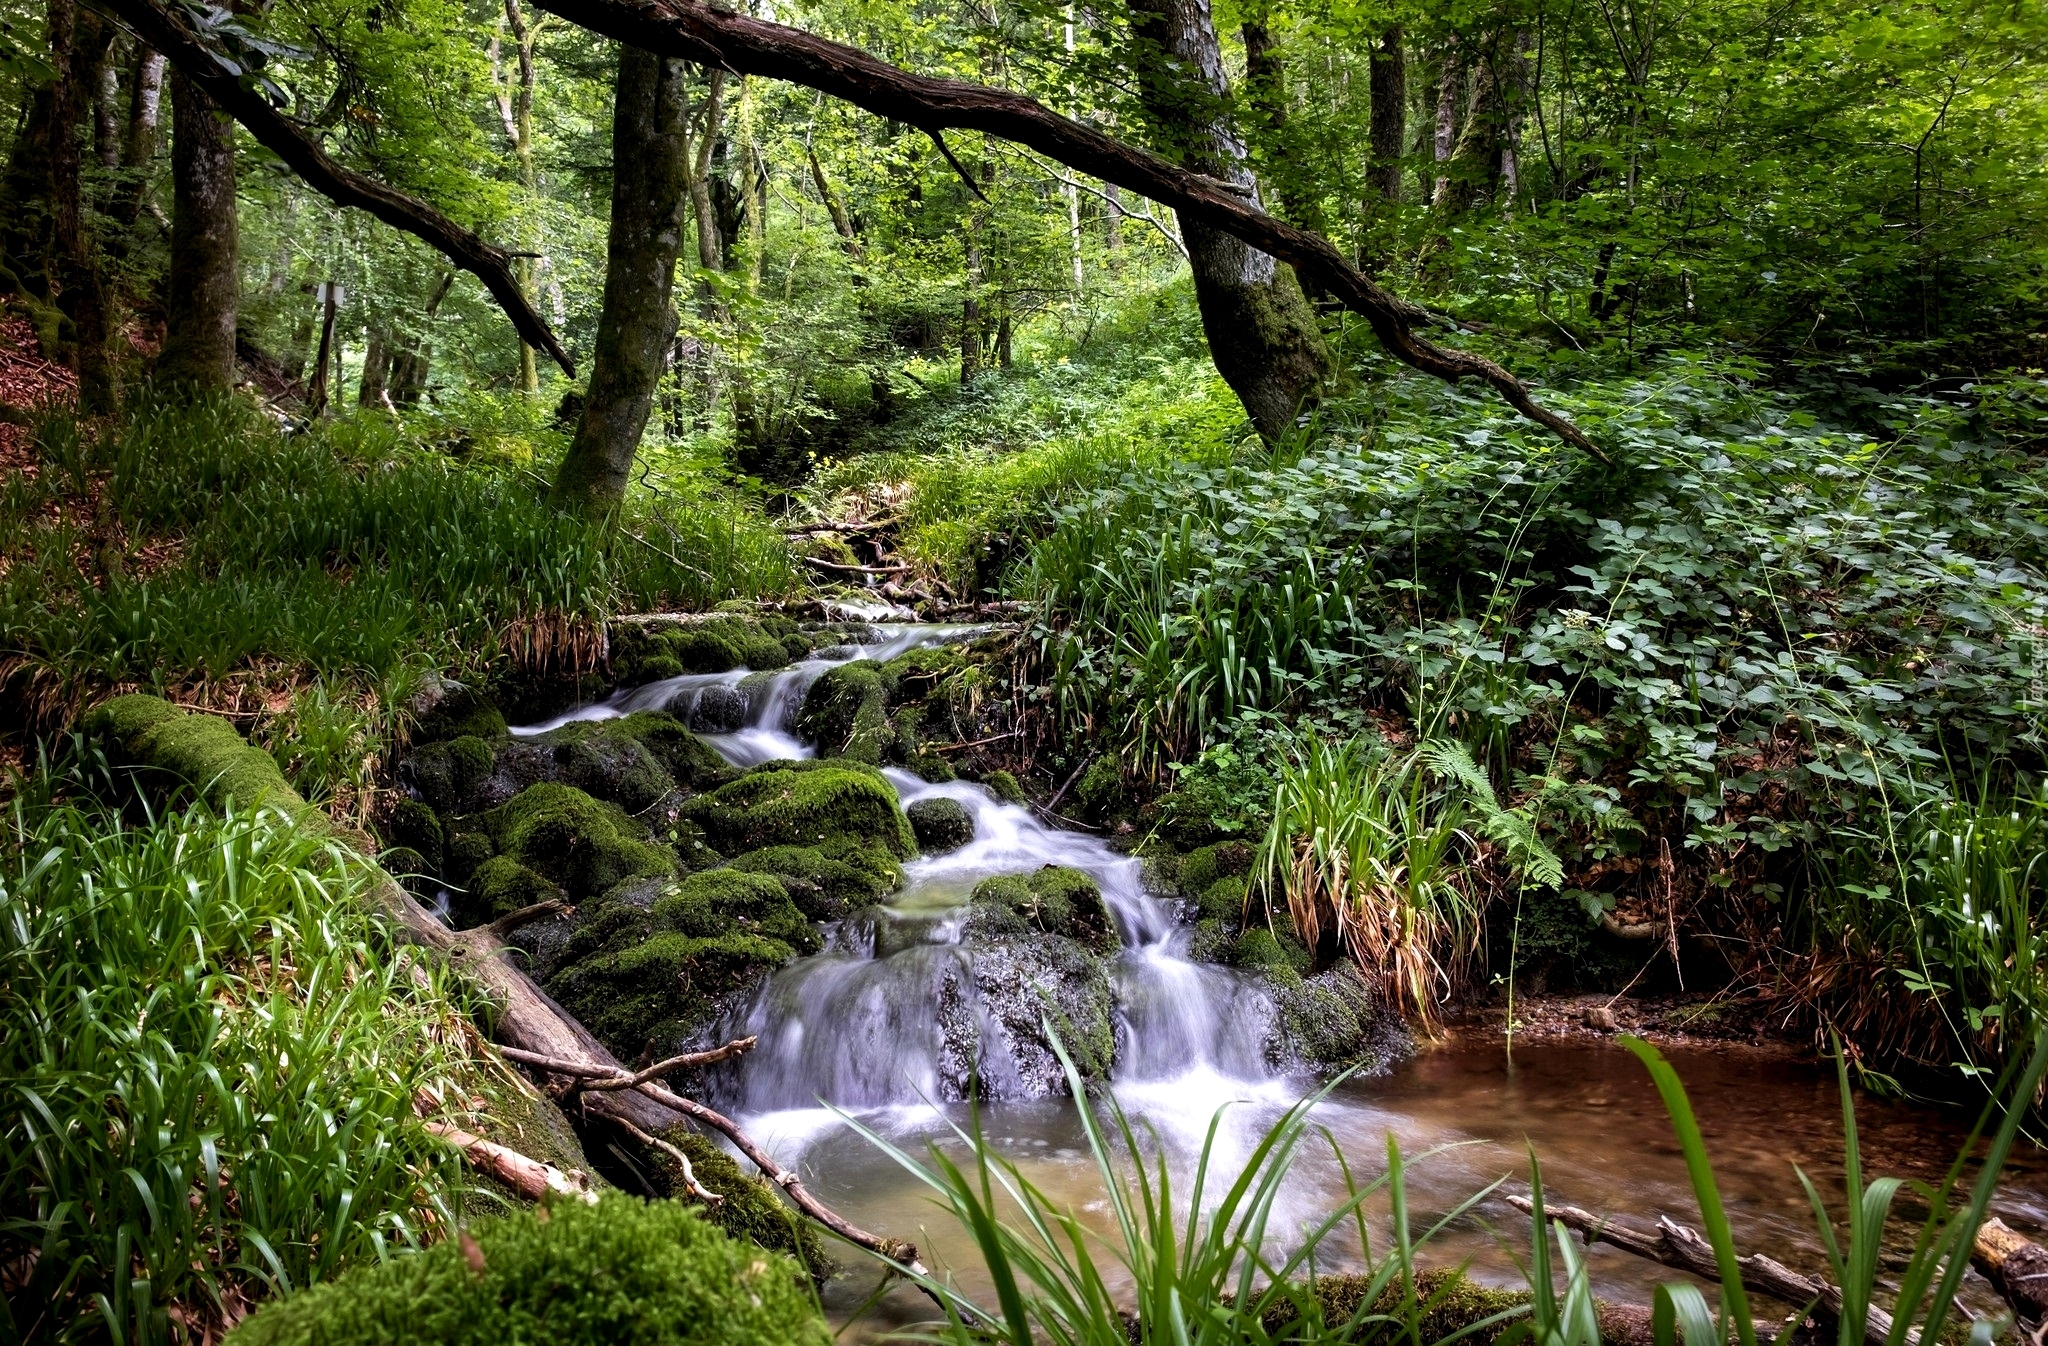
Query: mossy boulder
{"points": [[414, 826], [845, 713], [583, 846], [1101, 789], [464, 852], [635, 761], [689, 761], [450, 775], [1201, 869], [1225, 900], [823, 888], [1025, 981], [570, 1274], [750, 1209], [648, 652], [803, 804], [498, 887], [1003, 785], [1056, 900], [150, 735], [456, 710], [1259, 948], [1332, 1021], [719, 901], [940, 824], [656, 994]]}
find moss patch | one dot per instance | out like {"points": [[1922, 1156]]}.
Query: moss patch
{"points": [[1451, 1302], [658, 992], [1201, 869], [499, 886], [1004, 786], [565, 1273], [823, 888], [414, 826], [574, 841], [803, 805], [1056, 900], [448, 775], [719, 901], [461, 712], [845, 713], [751, 1210]]}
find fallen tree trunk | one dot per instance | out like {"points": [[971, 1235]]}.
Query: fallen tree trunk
{"points": [[2015, 1266], [1683, 1249], [529, 1177], [725, 40], [221, 80]]}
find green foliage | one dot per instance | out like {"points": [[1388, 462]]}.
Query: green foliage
{"points": [[621, 1269], [213, 1060]]}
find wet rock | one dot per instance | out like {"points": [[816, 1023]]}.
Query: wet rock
{"points": [[1201, 869], [749, 1208], [1332, 1021], [414, 826], [1056, 900], [643, 652], [803, 804], [940, 824], [446, 709], [720, 901], [634, 762], [1028, 986], [845, 713], [464, 852], [658, 993], [500, 886], [1003, 785]]}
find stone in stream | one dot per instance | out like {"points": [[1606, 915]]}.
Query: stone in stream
{"points": [[1056, 900], [1025, 981], [824, 887], [803, 804], [940, 824]]}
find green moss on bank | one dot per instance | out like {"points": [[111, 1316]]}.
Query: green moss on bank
{"points": [[150, 735]]}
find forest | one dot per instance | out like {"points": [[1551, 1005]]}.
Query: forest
{"points": [[1190, 671]]}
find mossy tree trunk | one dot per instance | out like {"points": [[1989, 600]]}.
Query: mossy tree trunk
{"points": [[1262, 333], [205, 284], [637, 323]]}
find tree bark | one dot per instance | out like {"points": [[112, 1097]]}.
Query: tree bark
{"points": [[1262, 334], [138, 150], [205, 285], [637, 324], [841, 221], [409, 367], [1389, 125], [1449, 81], [516, 111], [106, 107], [371, 389], [78, 46]]}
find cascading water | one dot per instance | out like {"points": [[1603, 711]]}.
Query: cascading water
{"points": [[857, 1027]]}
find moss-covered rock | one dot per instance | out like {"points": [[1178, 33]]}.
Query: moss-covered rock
{"points": [[750, 1209], [449, 775], [414, 826], [803, 804], [940, 824], [149, 734], [1026, 981], [689, 761], [643, 652], [1003, 785], [1225, 900], [464, 853], [823, 888], [845, 713], [719, 901], [1201, 869], [1332, 1021], [576, 842], [499, 886], [566, 1273], [1101, 790], [457, 711], [1057, 900], [654, 995], [1259, 948]]}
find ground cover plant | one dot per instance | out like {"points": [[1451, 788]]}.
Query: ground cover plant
{"points": [[216, 1068]]}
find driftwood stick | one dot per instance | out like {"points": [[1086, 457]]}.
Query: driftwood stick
{"points": [[2016, 1266], [539, 911], [856, 570], [1674, 1245], [708, 1197], [529, 1177], [600, 1078], [162, 28], [726, 40]]}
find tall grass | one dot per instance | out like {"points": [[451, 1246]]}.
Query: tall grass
{"points": [[1949, 904], [195, 541], [212, 1068]]}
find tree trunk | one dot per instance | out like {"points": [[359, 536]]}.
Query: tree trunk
{"points": [[1262, 334], [376, 367], [636, 326], [106, 108], [1389, 128], [78, 42], [516, 110], [841, 221], [138, 150], [1449, 82], [409, 367], [205, 288]]}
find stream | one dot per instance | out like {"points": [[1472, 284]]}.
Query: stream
{"points": [[854, 1030]]}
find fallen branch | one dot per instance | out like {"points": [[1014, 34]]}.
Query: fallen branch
{"points": [[2015, 1266], [977, 743], [525, 916], [529, 1177], [599, 1079], [159, 27], [725, 40], [690, 1184], [1683, 1249]]}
